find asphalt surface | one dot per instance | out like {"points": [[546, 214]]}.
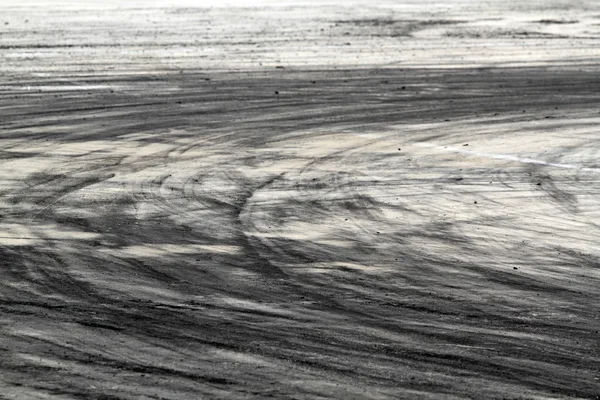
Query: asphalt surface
{"points": [[324, 200]]}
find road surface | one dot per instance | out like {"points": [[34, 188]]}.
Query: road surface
{"points": [[310, 200]]}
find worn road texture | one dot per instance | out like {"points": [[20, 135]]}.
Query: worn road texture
{"points": [[317, 200]]}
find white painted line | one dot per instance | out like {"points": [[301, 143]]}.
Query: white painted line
{"points": [[506, 157]]}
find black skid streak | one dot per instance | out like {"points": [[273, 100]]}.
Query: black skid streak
{"points": [[177, 224]]}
